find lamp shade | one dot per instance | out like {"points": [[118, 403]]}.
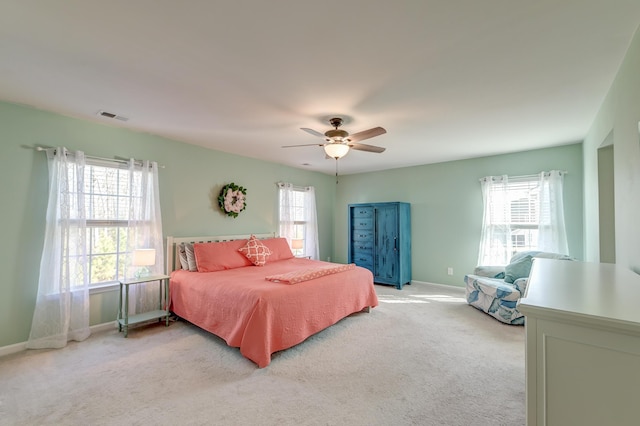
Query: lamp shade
{"points": [[144, 257], [296, 244], [336, 150]]}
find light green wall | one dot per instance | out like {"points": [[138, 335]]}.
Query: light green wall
{"points": [[446, 206], [618, 116], [191, 175], [445, 198]]}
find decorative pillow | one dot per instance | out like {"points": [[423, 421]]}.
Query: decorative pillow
{"points": [[279, 248], [191, 259], [212, 257], [183, 257], [518, 269], [256, 251]]}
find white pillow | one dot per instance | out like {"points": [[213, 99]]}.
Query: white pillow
{"points": [[183, 257], [191, 258]]}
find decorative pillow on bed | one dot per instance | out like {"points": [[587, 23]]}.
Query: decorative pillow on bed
{"points": [[184, 263], [212, 257], [279, 248], [255, 251], [192, 264]]}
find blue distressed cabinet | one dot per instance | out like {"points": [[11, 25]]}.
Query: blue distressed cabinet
{"points": [[380, 240]]}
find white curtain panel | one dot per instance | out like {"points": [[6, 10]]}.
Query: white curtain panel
{"points": [[311, 245], [287, 211], [144, 231], [62, 304], [552, 233], [495, 241]]}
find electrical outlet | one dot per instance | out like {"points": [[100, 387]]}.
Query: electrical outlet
{"points": [[449, 270], [328, 258]]}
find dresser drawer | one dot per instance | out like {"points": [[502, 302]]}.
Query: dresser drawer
{"points": [[362, 235], [362, 246], [362, 223], [358, 212], [364, 260]]}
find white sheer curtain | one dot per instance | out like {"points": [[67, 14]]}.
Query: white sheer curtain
{"points": [[298, 216], [503, 214], [495, 241], [287, 212], [311, 244], [552, 234], [62, 304], [144, 231]]}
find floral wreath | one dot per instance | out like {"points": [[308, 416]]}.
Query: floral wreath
{"points": [[232, 199]]}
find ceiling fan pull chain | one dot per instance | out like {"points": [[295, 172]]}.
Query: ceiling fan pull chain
{"points": [[336, 171]]}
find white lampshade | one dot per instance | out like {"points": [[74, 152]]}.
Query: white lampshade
{"points": [[296, 244], [336, 150], [144, 257]]}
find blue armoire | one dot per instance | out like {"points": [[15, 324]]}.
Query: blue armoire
{"points": [[380, 240]]}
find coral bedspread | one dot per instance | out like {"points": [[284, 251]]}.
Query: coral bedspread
{"points": [[262, 317]]}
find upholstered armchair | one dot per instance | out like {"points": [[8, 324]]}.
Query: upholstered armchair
{"points": [[496, 290]]}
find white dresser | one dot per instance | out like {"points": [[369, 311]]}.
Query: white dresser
{"points": [[583, 344]]}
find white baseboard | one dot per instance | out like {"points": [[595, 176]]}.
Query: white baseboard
{"points": [[19, 347], [447, 286]]}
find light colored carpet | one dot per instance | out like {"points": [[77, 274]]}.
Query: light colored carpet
{"points": [[423, 357]]}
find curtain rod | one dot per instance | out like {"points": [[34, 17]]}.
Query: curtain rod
{"points": [[297, 188], [92, 157], [564, 172]]}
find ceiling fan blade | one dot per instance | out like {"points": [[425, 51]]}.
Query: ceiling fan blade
{"points": [[313, 132], [306, 144], [365, 147], [366, 134]]}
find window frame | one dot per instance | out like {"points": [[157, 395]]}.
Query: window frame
{"points": [[94, 224], [299, 225]]}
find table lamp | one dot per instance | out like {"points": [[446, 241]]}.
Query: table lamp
{"points": [[144, 258], [297, 244]]}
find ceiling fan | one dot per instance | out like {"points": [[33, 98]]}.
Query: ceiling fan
{"points": [[339, 142]]}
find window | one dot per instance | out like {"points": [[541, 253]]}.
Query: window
{"points": [[107, 206], [299, 225], [521, 213], [297, 219], [111, 191], [524, 200]]}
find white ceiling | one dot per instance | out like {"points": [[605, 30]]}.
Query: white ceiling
{"points": [[447, 79]]}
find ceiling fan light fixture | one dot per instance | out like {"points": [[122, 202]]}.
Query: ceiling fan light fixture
{"points": [[336, 150]]}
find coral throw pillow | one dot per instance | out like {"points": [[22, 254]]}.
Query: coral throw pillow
{"points": [[255, 251], [279, 248]]}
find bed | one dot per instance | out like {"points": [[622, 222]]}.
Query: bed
{"points": [[261, 309]]}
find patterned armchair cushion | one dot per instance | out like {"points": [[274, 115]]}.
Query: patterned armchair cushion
{"points": [[495, 297], [493, 287]]}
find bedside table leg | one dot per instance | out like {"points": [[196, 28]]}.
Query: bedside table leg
{"points": [[120, 310], [166, 300], [126, 310]]}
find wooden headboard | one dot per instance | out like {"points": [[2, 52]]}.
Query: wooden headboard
{"points": [[173, 244]]}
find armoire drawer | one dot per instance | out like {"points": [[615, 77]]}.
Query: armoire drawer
{"points": [[362, 235], [365, 246], [362, 212], [362, 223], [364, 261]]}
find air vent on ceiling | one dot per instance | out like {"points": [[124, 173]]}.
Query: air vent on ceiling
{"points": [[112, 115]]}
